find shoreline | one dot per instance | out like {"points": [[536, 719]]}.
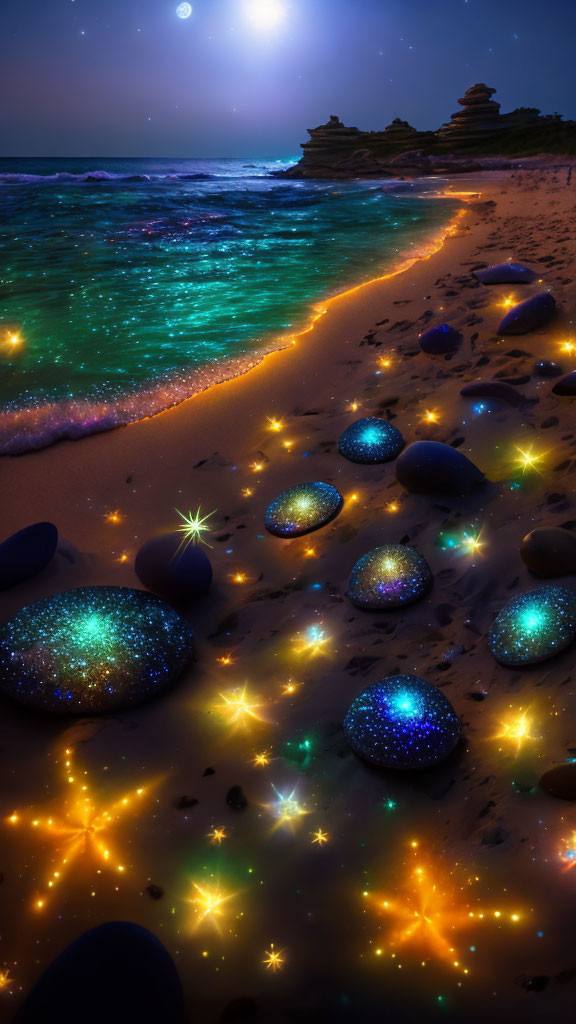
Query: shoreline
{"points": [[216, 450], [31, 429]]}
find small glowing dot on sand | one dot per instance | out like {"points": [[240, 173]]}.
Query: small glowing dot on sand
{"points": [[392, 507], [257, 467], [261, 760], [239, 577], [431, 416], [114, 517], [274, 424]]}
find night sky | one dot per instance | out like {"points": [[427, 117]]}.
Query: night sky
{"points": [[131, 78]]}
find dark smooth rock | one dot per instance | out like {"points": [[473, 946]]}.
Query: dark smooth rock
{"points": [[493, 389], [440, 340], [26, 553], [92, 650], [173, 568], [529, 315], [566, 386], [506, 273], [115, 973], [549, 551], [430, 467], [560, 781], [236, 798], [547, 368]]}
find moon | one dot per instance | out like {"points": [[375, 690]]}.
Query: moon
{"points": [[184, 10]]}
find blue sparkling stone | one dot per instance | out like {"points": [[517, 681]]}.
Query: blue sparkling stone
{"points": [[389, 577], [91, 650], [370, 440], [534, 626], [303, 508], [402, 722]]}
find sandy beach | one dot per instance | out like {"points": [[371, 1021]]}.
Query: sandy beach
{"points": [[481, 822]]}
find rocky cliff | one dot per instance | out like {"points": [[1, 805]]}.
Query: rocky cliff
{"points": [[478, 130]]}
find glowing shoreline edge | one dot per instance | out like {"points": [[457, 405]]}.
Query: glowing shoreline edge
{"points": [[29, 429]]}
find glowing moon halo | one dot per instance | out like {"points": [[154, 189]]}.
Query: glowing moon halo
{"points": [[265, 14], [184, 10]]}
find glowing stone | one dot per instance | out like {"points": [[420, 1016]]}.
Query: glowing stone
{"points": [[534, 626], [370, 440], [402, 722], [389, 577], [303, 508], [184, 10], [91, 650]]}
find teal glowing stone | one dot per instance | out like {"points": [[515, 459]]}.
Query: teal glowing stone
{"points": [[534, 626], [91, 650], [389, 577], [402, 722], [370, 440], [303, 508]]}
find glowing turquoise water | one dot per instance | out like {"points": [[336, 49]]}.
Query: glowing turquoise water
{"points": [[132, 291]]}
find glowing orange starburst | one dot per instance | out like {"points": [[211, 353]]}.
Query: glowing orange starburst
{"points": [[517, 727], [238, 706], [273, 961], [430, 909], [208, 901], [82, 829]]}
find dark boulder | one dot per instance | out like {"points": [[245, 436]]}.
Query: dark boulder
{"points": [[547, 368], [529, 315], [173, 568], [567, 386], [549, 551], [440, 340], [429, 467], [26, 553], [506, 273], [494, 389]]}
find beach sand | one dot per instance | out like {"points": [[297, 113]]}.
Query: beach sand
{"points": [[481, 822]]}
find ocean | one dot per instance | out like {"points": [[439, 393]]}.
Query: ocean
{"points": [[128, 285]]}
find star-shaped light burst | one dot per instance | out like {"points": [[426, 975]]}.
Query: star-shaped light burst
{"points": [[528, 460], [208, 902], [238, 706], [430, 909], [312, 641], [568, 851], [82, 829], [273, 961], [287, 808], [319, 837], [517, 728], [194, 527], [6, 979], [217, 835]]}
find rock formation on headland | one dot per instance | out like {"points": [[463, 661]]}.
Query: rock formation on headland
{"points": [[478, 130], [479, 118]]}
